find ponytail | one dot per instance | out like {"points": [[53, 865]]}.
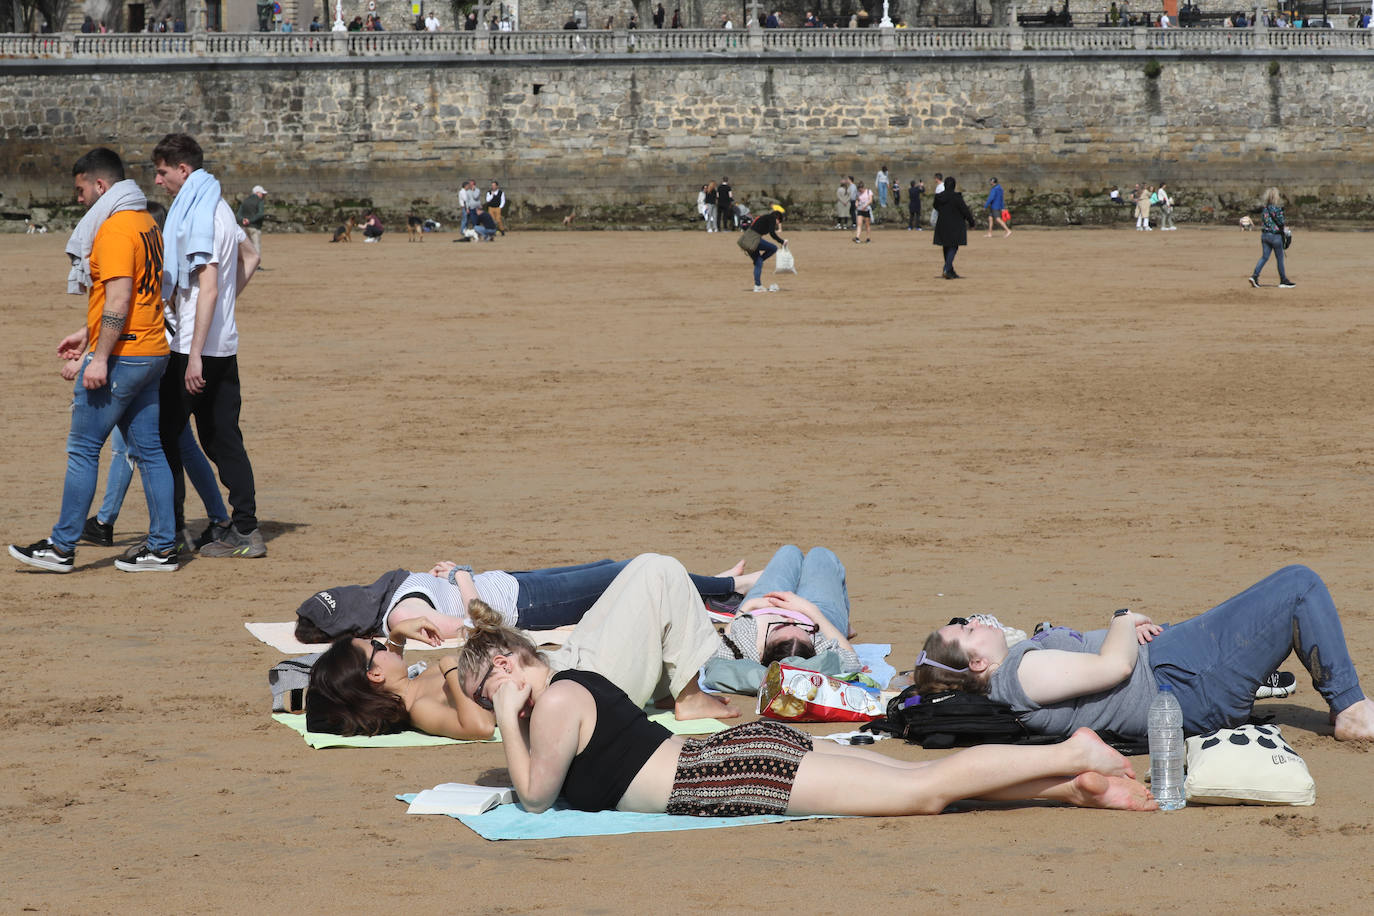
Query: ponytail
{"points": [[489, 637]]}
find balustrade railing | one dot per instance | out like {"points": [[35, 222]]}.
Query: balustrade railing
{"points": [[780, 42]]}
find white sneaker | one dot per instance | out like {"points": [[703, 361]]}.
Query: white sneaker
{"points": [[759, 289]]}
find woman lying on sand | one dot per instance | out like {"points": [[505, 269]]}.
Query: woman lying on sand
{"points": [[1060, 680], [574, 733], [649, 634], [798, 606], [540, 599]]}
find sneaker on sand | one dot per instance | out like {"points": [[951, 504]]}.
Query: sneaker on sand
{"points": [[213, 532], [1254, 281], [45, 555], [232, 543], [1276, 686], [147, 560], [1287, 284], [760, 289], [96, 533]]}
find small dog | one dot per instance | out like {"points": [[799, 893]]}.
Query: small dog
{"points": [[35, 229], [345, 232], [416, 227], [1246, 224], [568, 220]]}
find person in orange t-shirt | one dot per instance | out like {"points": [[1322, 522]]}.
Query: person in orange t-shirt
{"points": [[117, 256]]}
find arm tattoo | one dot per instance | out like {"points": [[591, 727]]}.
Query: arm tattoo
{"points": [[113, 322]]}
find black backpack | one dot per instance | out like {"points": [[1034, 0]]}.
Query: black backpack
{"points": [[951, 718]]}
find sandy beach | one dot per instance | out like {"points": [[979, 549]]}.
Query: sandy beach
{"points": [[1091, 419]]}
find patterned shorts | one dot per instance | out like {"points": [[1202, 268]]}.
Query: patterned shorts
{"points": [[743, 770]]}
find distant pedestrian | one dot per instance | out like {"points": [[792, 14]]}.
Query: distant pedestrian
{"points": [[725, 204], [842, 204], [913, 203], [677, 17], [951, 229], [496, 202], [1166, 210], [863, 215], [997, 209], [882, 182], [251, 214], [1273, 231], [659, 16], [759, 249]]}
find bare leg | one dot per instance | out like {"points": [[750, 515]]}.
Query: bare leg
{"points": [[829, 783], [743, 580]]}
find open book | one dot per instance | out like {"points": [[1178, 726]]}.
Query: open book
{"points": [[460, 798]]}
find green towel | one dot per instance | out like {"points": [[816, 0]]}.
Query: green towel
{"points": [[296, 722]]}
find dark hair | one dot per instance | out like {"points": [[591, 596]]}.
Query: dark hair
{"points": [[950, 183], [100, 162], [342, 701], [786, 648], [179, 149], [307, 631], [159, 213], [929, 679]]}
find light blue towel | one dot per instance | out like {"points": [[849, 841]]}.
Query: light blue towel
{"points": [[512, 822], [874, 656], [188, 238]]}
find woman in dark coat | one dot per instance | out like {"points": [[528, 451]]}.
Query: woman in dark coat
{"points": [[951, 228]]}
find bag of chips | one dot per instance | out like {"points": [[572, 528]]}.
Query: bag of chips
{"points": [[798, 695]]}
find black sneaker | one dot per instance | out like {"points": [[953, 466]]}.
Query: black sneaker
{"points": [[97, 533], [213, 532], [1276, 686], [147, 560], [1254, 281], [45, 555], [1286, 284]]}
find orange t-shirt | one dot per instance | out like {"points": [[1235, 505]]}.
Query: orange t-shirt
{"points": [[129, 244]]}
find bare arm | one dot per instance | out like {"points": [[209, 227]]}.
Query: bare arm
{"points": [[1052, 675], [794, 602], [538, 761], [460, 718], [462, 578], [119, 293], [249, 259], [206, 279]]}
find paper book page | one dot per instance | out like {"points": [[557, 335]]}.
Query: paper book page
{"points": [[460, 798]]}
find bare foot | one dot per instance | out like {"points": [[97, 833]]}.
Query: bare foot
{"points": [[1098, 757], [732, 571], [1093, 790], [693, 704], [1355, 723]]}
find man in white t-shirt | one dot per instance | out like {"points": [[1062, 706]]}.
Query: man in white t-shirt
{"points": [[207, 261], [432, 23]]}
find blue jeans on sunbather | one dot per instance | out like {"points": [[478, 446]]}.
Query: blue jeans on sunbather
{"points": [[193, 461], [559, 596], [1216, 660], [818, 577]]}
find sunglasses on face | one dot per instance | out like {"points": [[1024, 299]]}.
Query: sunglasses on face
{"points": [[809, 628], [376, 647], [477, 696], [958, 621]]}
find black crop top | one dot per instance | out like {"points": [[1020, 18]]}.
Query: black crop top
{"points": [[622, 742]]}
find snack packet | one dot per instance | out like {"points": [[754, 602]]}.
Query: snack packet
{"points": [[798, 695]]}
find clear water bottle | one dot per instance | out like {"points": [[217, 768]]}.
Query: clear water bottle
{"points": [[1166, 750]]}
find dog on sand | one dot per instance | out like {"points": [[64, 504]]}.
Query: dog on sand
{"points": [[1246, 224], [35, 229], [416, 227], [344, 233]]}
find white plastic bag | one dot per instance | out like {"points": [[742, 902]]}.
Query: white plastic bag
{"points": [[784, 262]]}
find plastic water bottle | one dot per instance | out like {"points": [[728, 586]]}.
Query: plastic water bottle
{"points": [[1166, 750]]}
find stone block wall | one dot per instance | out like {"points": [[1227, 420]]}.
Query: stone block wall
{"points": [[638, 137]]}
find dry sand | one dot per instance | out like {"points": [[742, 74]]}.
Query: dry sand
{"points": [[1089, 420]]}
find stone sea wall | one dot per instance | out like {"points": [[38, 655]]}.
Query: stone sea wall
{"points": [[627, 139]]}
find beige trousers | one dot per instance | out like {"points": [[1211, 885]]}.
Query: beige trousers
{"points": [[648, 634]]}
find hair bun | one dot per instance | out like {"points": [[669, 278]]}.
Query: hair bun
{"points": [[484, 617]]}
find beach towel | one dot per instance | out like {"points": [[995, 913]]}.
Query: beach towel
{"points": [[188, 238], [122, 195], [512, 822], [319, 740]]}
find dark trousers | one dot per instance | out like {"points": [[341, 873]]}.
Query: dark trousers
{"points": [[913, 218], [216, 409], [724, 213], [950, 252]]}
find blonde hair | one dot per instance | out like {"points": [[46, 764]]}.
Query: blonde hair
{"points": [[491, 637], [1272, 198]]}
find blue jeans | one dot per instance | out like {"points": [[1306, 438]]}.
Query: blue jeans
{"points": [[561, 595], [882, 194], [1271, 242], [484, 233], [129, 402], [193, 461], [766, 250], [1216, 660], [818, 577]]}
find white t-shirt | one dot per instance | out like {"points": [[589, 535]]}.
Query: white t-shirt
{"points": [[223, 339]]}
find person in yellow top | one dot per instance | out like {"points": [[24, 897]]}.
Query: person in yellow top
{"points": [[116, 253]]}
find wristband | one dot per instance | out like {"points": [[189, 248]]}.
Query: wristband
{"points": [[449, 671], [1121, 613], [391, 641], [453, 574]]}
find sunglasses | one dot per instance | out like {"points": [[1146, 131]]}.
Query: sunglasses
{"points": [[924, 659], [477, 696], [376, 647], [958, 621], [810, 628]]}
